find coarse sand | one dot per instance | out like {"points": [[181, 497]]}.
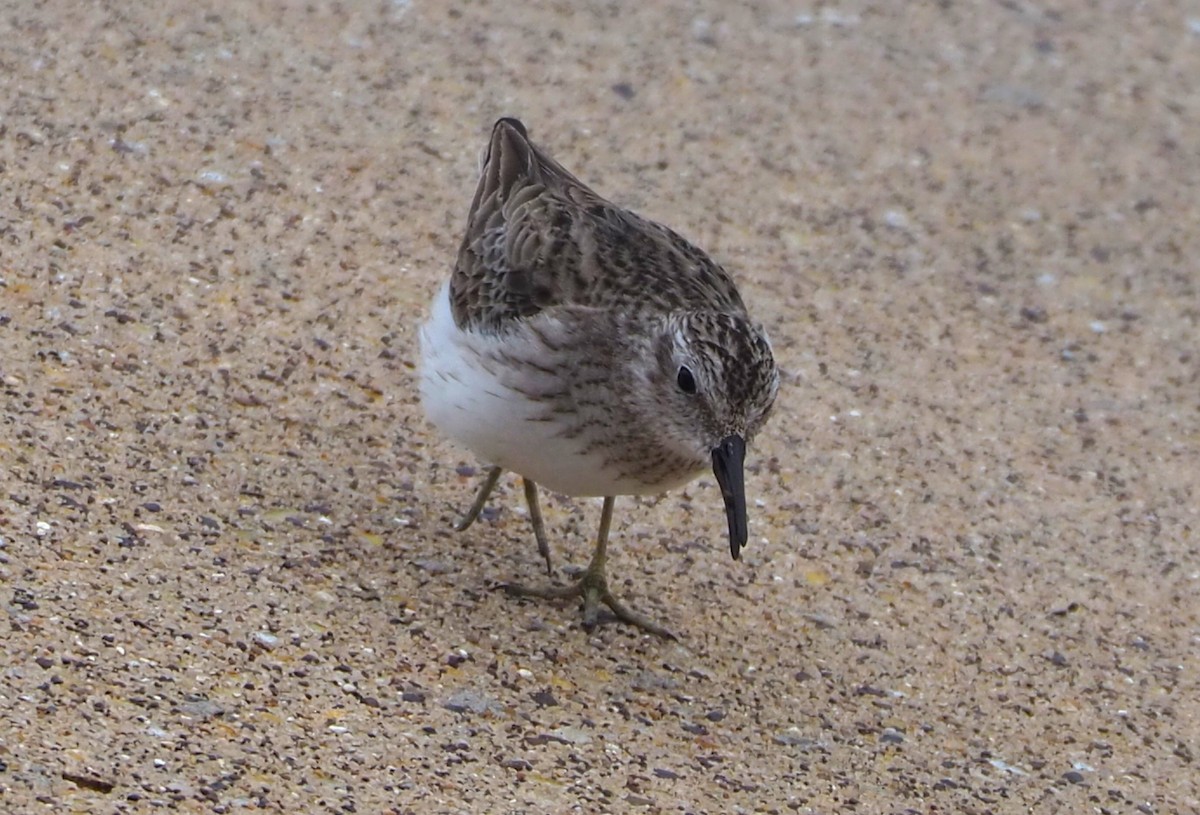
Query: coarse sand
{"points": [[227, 568]]}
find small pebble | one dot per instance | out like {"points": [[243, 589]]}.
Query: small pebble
{"points": [[793, 737], [544, 698], [1034, 314], [264, 640], [469, 701], [200, 708], [570, 735]]}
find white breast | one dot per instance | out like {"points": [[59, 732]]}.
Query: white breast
{"points": [[469, 396]]}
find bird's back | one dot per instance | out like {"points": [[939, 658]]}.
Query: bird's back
{"points": [[537, 238]]}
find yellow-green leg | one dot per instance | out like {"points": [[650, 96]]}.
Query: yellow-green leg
{"points": [[593, 586], [539, 527], [531, 500], [485, 492]]}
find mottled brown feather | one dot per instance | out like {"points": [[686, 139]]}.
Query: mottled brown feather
{"points": [[538, 238]]}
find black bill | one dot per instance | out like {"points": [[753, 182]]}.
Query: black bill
{"points": [[728, 459]]}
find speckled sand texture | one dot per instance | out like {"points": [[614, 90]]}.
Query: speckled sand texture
{"points": [[226, 566]]}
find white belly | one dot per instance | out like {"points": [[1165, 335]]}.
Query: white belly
{"points": [[470, 398]]}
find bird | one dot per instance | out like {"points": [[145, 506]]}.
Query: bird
{"points": [[591, 351]]}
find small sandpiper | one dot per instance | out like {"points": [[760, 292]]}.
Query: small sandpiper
{"points": [[590, 351]]}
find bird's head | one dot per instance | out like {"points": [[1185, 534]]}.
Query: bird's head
{"points": [[713, 382]]}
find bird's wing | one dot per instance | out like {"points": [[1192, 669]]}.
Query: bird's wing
{"points": [[537, 237]]}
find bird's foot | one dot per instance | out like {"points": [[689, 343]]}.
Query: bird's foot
{"points": [[593, 589]]}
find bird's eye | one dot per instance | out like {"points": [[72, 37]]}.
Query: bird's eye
{"points": [[685, 380]]}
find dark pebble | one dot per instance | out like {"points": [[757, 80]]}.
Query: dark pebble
{"points": [[431, 565], [1073, 777], [1034, 314], [544, 698]]}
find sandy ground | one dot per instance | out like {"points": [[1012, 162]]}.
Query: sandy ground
{"points": [[226, 567]]}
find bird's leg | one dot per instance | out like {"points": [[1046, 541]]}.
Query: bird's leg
{"points": [[592, 587], [594, 584], [535, 512], [485, 491], [535, 518]]}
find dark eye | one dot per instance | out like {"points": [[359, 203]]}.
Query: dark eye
{"points": [[685, 380]]}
